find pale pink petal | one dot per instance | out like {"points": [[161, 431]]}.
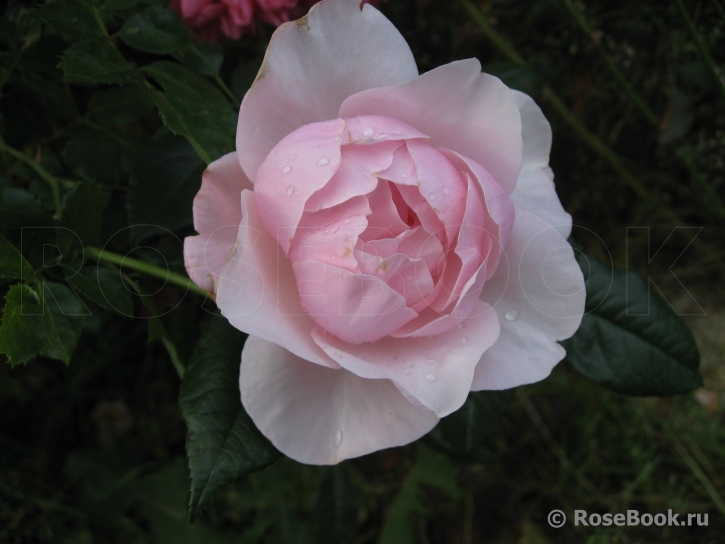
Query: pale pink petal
{"points": [[538, 294], [459, 108], [409, 277], [257, 291], [367, 129], [217, 214], [440, 184], [311, 66], [302, 163], [330, 235], [384, 221], [356, 175], [499, 208], [435, 371], [321, 416], [354, 307], [402, 170], [535, 189]]}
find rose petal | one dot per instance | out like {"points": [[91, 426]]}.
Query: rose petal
{"points": [[461, 109], [436, 371], [299, 165], [538, 294], [322, 416], [311, 66], [217, 214], [384, 221], [354, 307], [257, 291], [535, 189]]}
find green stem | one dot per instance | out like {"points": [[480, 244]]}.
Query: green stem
{"points": [[223, 86], [710, 197], [148, 269], [588, 137], [702, 48], [53, 181]]}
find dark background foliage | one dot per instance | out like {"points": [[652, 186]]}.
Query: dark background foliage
{"points": [[100, 131]]}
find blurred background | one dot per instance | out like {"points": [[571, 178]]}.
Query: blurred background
{"points": [[93, 451]]}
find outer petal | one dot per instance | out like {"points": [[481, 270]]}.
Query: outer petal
{"points": [[460, 109], [436, 371], [258, 294], [535, 189], [538, 293], [217, 215], [322, 416], [311, 66]]}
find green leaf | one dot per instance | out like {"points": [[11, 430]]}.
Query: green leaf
{"points": [[432, 469], [203, 57], [25, 223], [162, 187], [62, 321], [71, 18], [47, 324], [336, 508], [630, 340], [20, 334], [465, 433], [83, 209], [155, 30], [96, 61], [105, 287], [194, 108], [12, 263], [222, 442], [121, 105]]}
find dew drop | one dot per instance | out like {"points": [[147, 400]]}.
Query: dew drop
{"points": [[368, 132], [382, 136], [445, 190], [325, 231], [430, 361], [290, 190], [297, 193], [404, 176], [337, 438], [461, 326], [406, 372], [287, 169], [535, 360], [432, 196], [511, 315], [338, 138], [334, 229], [323, 161], [395, 133], [465, 340], [293, 157], [430, 377], [256, 128]]}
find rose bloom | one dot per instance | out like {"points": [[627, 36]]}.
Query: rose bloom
{"points": [[233, 18], [389, 241]]}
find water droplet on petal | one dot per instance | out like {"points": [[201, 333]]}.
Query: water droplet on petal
{"points": [[337, 438], [290, 190], [465, 340], [368, 132], [446, 190], [325, 231], [535, 360], [511, 315], [297, 193], [406, 372], [323, 161], [430, 361], [382, 136], [395, 133], [287, 169], [432, 196], [338, 138], [334, 229], [404, 176], [430, 377], [256, 128], [293, 157]]}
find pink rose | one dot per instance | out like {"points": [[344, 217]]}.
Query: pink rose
{"points": [[234, 18], [389, 241]]}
